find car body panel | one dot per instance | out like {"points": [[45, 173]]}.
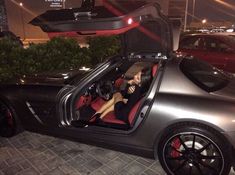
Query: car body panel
{"points": [[179, 100], [36, 103], [56, 78], [162, 108], [174, 76]]}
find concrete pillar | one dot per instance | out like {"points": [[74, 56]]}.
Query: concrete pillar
{"points": [[3, 16]]}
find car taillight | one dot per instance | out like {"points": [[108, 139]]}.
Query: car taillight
{"points": [[130, 21]]}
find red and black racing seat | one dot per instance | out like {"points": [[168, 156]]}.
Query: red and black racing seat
{"points": [[154, 70], [83, 100], [111, 119]]}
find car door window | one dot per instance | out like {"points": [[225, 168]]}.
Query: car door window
{"points": [[223, 47], [194, 43], [216, 45], [204, 75], [211, 44]]}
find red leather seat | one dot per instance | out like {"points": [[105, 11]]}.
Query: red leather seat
{"points": [[118, 82], [154, 69], [83, 100], [110, 117], [97, 103]]}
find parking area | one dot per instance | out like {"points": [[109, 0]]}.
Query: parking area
{"points": [[31, 154]]}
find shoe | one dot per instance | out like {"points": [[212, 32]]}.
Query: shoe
{"points": [[99, 121], [95, 117]]}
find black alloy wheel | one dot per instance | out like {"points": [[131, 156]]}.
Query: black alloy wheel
{"points": [[7, 122], [194, 151]]}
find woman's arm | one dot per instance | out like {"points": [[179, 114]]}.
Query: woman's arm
{"points": [[133, 97]]}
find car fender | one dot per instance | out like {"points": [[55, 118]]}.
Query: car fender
{"points": [[170, 109], [6, 101]]}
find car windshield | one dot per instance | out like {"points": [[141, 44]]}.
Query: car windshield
{"points": [[76, 76], [204, 75]]}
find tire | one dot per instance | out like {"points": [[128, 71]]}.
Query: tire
{"points": [[8, 126], [191, 149]]}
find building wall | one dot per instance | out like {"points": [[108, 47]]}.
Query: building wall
{"points": [[177, 8], [3, 16]]}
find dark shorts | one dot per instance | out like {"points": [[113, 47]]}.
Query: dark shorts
{"points": [[121, 112]]}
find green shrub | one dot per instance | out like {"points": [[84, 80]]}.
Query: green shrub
{"points": [[103, 47], [9, 58], [56, 54]]}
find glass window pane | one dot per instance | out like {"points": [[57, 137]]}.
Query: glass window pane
{"points": [[204, 75]]}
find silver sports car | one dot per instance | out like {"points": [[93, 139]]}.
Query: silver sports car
{"points": [[186, 118]]}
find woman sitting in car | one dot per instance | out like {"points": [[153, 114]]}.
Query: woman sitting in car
{"points": [[129, 94]]}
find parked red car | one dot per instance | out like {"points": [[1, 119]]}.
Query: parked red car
{"points": [[217, 49]]}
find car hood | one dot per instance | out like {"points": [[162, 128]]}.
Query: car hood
{"points": [[52, 78], [228, 91], [144, 27]]}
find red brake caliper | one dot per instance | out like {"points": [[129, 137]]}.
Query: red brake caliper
{"points": [[176, 144]]}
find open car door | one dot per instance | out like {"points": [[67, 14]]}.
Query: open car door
{"points": [[142, 26]]}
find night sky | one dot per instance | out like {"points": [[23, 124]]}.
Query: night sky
{"points": [[212, 10]]}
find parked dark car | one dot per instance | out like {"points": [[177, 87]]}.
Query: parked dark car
{"points": [[185, 119], [216, 49]]}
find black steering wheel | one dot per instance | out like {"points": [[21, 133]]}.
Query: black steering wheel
{"points": [[105, 90]]}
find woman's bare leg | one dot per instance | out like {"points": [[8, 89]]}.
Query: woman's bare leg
{"points": [[117, 97], [106, 106], [111, 108]]}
